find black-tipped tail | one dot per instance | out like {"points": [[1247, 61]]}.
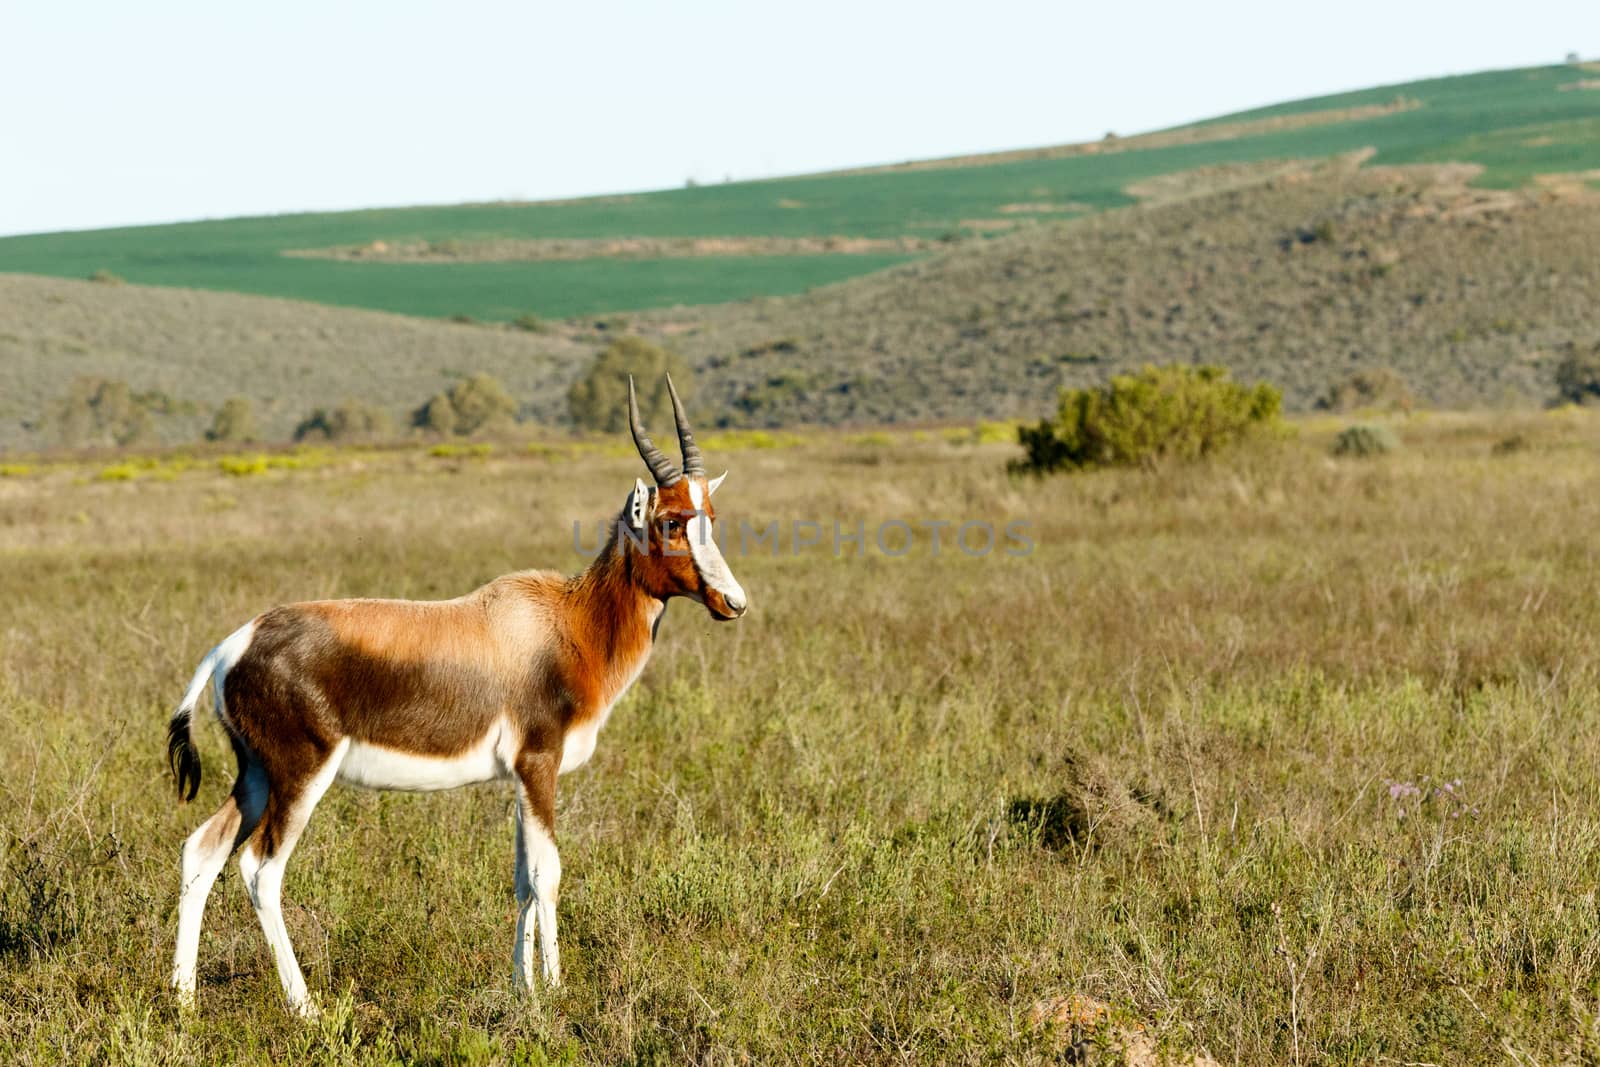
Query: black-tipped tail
{"points": [[182, 757]]}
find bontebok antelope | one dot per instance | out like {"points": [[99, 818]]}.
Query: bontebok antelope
{"points": [[513, 680]]}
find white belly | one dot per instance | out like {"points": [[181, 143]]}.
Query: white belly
{"points": [[578, 745], [377, 767]]}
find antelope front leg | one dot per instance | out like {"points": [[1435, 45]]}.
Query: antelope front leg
{"points": [[538, 871]]}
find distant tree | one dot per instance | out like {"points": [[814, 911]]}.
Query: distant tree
{"points": [[1578, 375], [352, 420], [478, 404], [1573, 57], [234, 421], [100, 411], [599, 400]]}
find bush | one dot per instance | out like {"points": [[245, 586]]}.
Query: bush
{"points": [[242, 466], [352, 420], [473, 405], [119, 472], [1509, 445], [1362, 441], [1177, 412], [98, 411], [234, 421], [1380, 388], [1578, 375], [599, 400], [449, 451]]}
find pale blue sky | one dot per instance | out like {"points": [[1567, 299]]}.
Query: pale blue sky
{"points": [[115, 113]]}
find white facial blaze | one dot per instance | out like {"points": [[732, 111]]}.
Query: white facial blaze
{"points": [[707, 556]]}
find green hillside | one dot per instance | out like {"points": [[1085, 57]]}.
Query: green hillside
{"points": [[1517, 124]]}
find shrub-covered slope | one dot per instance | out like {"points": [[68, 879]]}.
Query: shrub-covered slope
{"points": [[1300, 275]]}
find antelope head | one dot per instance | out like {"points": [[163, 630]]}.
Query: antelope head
{"points": [[671, 531]]}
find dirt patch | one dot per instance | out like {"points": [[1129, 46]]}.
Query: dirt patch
{"points": [[530, 250], [1043, 207], [1217, 131], [1204, 181], [1569, 185], [1582, 83]]}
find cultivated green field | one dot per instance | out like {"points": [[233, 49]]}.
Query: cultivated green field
{"points": [[1287, 759], [1516, 123]]}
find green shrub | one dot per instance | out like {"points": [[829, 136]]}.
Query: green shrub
{"points": [[235, 421], [530, 323], [1379, 388], [599, 400], [1578, 375], [352, 420], [1177, 412], [1363, 441], [478, 404], [105, 277]]}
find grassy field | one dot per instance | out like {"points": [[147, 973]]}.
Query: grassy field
{"points": [[1516, 123], [1285, 758]]}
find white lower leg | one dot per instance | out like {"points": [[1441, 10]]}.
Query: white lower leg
{"points": [[546, 864], [263, 880], [204, 854], [538, 884], [522, 951]]}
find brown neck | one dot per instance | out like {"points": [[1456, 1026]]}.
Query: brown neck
{"points": [[614, 611]]}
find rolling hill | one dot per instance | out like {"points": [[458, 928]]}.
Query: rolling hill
{"points": [[1250, 242], [501, 261]]}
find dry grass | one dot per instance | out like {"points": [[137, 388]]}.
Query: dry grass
{"points": [[1164, 762]]}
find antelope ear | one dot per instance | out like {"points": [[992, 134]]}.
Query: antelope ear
{"points": [[711, 486], [638, 504]]}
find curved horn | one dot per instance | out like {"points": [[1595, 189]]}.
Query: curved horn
{"points": [[663, 469], [693, 465]]}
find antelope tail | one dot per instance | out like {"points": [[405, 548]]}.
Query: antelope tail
{"points": [[183, 758]]}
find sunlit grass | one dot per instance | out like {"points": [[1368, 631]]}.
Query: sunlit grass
{"points": [[1282, 753]]}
